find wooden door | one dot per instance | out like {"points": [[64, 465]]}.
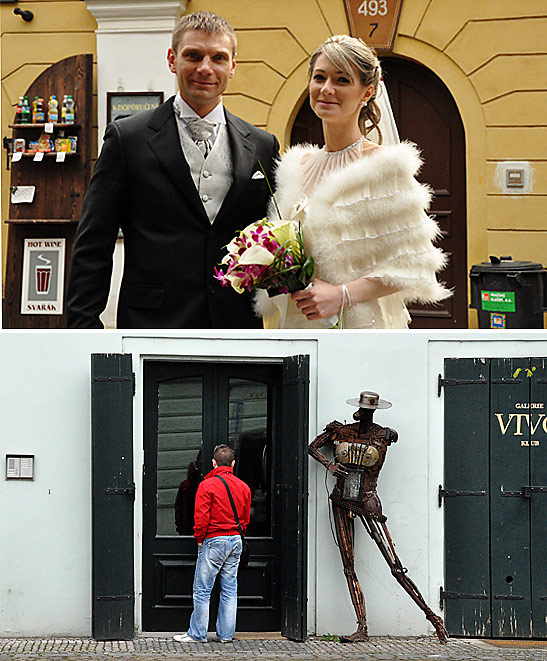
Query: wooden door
{"points": [[426, 114]]}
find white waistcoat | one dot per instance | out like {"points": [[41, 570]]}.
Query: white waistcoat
{"points": [[212, 176]]}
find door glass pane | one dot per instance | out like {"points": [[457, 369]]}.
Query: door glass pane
{"points": [[250, 436], [180, 423]]}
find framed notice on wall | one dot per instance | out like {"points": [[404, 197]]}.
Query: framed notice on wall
{"points": [[125, 104], [374, 21], [43, 276]]}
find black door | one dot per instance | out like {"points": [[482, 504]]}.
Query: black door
{"points": [[190, 408], [495, 495]]}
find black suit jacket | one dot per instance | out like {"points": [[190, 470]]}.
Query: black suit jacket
{"points": [[142, 183]]}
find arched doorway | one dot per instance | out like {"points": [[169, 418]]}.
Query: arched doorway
{"points": [[426, 114]]}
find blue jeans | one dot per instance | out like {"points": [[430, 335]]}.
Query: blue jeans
{"points": [[217, 555]]}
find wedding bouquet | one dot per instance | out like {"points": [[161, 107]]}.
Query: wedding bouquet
{"points": [[267, 255]]}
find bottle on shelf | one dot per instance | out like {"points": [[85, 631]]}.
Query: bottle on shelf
{"points": [[26, 114], [19, 111], [53, 109], [41, 110], [70, 110], [38, 115], [63, 109]]}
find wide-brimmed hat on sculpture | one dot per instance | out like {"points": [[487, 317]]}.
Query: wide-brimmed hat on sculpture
{"points": [[369, 400]]}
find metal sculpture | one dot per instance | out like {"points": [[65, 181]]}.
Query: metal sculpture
{"points": [[359, 453]]}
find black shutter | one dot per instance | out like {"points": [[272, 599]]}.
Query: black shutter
{"points": [[465, 495], [510, 511], [538, 497], [113, 495], [500, 450], [295, 406]]}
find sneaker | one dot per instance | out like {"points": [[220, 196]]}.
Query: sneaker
{"points": [[220, 640], [184, 638]]}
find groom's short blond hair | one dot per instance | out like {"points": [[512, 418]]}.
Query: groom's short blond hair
{"points": [[207, 22]]}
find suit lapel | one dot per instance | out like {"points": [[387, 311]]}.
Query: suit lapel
{"points": [[243, 156], [165, 143]]}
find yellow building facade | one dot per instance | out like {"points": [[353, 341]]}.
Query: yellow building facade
{"points": [[490, 55]]}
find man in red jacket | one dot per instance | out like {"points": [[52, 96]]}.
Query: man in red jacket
{"points": [[219, 547]]}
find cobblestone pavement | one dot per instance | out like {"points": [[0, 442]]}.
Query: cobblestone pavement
{"points": [[267, 648]]}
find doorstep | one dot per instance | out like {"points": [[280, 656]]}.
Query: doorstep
{"points": [[239, 635]]}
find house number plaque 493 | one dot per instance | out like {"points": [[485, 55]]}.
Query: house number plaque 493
{"points": [[374, 21]]}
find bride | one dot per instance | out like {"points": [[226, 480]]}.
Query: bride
{"points": [[362, 211]]}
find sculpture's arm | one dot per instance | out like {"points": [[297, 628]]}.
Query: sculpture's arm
{"points": [[320, 441], [391, 435]]}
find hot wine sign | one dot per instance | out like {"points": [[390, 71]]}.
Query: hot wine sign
{"points": [[43, 276]]}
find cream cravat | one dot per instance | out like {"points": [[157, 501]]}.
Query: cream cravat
{"points": [[201, 131]]}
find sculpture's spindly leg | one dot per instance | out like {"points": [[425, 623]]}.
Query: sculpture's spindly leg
{"points": [[380, 534], [344, 533]]}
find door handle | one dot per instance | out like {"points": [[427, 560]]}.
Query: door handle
{"points": [[265, 467], [528, 491]]}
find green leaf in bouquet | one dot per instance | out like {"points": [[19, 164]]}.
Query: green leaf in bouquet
{"points": [[294, 283], [308, 268], [270, 189], [272, 291]]}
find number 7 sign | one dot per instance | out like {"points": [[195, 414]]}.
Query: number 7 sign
{"points": [[374, 21]]}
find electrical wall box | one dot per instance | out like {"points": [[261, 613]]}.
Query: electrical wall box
{"points": [[514, 177], [19, 467]]}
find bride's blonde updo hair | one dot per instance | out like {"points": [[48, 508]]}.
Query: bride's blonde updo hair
{"points": [[346, 52]]}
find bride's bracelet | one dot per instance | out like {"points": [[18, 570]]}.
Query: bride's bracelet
{"points": [[345, 295]]}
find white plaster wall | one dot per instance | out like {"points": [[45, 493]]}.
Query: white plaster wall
{"points": [[45, 554], [394, 365], [45, 525], [132, 41], [132, 63]]}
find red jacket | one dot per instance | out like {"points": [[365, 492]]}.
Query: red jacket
{"points": [[213, 514]]}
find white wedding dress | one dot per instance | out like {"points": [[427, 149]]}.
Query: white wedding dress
{"points": [[283, 312], [362, 214]]}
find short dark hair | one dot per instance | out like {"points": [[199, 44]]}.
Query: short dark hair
{"points": [[207, 22], [223, 455]]}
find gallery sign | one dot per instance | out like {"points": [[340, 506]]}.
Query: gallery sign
{"points": [[43, 276], [521, 424], [374, 21]]}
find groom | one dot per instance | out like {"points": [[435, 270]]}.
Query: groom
{"points": [[179, 181]]}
